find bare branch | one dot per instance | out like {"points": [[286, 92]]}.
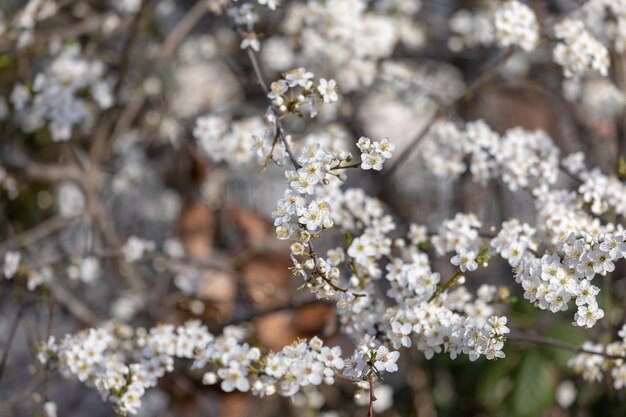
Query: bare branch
{"points": [[547, 341]]}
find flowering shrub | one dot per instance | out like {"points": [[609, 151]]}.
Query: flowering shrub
{"points": [[135, 135]]}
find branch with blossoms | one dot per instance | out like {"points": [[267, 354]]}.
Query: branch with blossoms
{"points": [[392, 284]]}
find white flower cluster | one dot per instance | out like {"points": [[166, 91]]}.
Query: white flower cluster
{"points": [[11, 264], [86, 269], [554, 280], [513, 23], [434, 318], [516, 24], [579, 53], [303, 92], [35, 277], [121, 363], [607, 20], [593, 366], [244, 17], [304, 211], [237, 142], [560, 213], [285, 372], [451, 323], [439, 329], [217, 6], [367, 361], [314, 202], [602, 192], [38, 277], [419, 307], [374, 154], [521, 158], [514, 241], [338, 33], [438, 322], [71, 200], [458, 234], [403, 13], [57, 97], [471, 30], [135, 248], [599, 98], [24, 23], [233, 142]]}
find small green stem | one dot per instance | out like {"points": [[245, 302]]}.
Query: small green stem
{"points": [[446, 286]]}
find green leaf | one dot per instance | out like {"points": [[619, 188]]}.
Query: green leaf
{"points": [[534, 386], [349, 238], [621, 167]]}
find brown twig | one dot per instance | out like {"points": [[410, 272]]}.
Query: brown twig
{"points": [[291, 306], [82, 27], [105, 121], [138, 23], [40, 171], [7, 404], [74, 306], [40, 231], [547, 341], [404, 156], [186, 24], [370, 381], [259, 77], [9, 342]]}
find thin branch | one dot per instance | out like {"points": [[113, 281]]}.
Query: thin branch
{"points": [[7, 404], [449, 283], [370, 381], [41, 172], [40, 231], [138, 23], [488, 73], [347, 378], [9, 342], [186, 24], [547, 341], [82, 27], [74, 306], [404, 156], [294, 305], [259, 77], [102, 129]]}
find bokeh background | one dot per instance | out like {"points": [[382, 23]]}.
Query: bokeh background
{"points": [[155, 183]]}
